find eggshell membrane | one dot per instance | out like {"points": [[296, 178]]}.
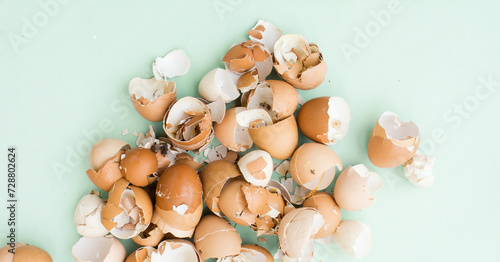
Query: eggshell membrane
{"points": [[353, 237], [385, 152], [151, 236], [226, 131], [23, 253], [138, 165], [215, 238], [284, 99], [104, 150], [153, 110], [326, 205], [109, 173], [113, 209], [313, 166], [213, 178], [279, 139], [354, 187], [179, 185], [232, 201], [103, 249]]}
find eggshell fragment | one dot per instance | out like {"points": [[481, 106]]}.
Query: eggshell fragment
{"points": [[175, 63], [215, 238], [418, 170], [213, 178], [313, 166], [152, 97], [231, 134], [188, 124], [278, 98], [178, 250], [103, 249], [353, 237], [354, 188], [218, 83], [217, 109], [298, 62], [266, 33], [248, 56], [296, 231], [128, 210], [24, 252], [104, 150], [324, 119], [109, 173], [392, 142], [179, 199], [88, 216], [328, 208], [139, 165], [250, 253], [233, 204], [256, 167], [151, 236]]}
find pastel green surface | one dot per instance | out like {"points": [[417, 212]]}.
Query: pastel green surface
{"points": [[63, 85]]}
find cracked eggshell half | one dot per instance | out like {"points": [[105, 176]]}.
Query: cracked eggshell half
{"points": [[179, 199], [109, 173], [24, 252], [418, 170], [151, 236], [188, 124], [234, 205], [139, 166], [88, 216], [266, 33], [257, 167], [215, 238], [104, 150], [392, 142], [168, 250], [248, 56], [213, 178], [313, 166], [231, 134], [175, 63], [353, 237], [324, 119], [250, 253], [278, 98], [296, 231], [354, 187], [298, 62], [128, 210], [152, 97], [328, 208], [103, 249], [218, 83]]}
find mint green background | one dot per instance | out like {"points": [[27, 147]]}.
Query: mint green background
{"points": [[70, 78]]}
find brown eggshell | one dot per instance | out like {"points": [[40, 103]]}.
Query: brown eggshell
{"points": [[104, 150], [213, 178], [151, 236], [326, 205], [226, 131], [155, 110], [179, 187], [215, 238], [313, 166], [109, 173], [24, 253], [140, 254], [279, 139], [312, 119], [138, 166], [284, 97], [385, 152], [256, 248], [310, 78], [233, 204], [174, 244], [354, 187]]}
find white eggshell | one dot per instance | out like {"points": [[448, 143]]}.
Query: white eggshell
{"points": [[103, 249], [88, 216], [256, 163], [175, 63], [353, 237], [418, 170], [218, 83]]}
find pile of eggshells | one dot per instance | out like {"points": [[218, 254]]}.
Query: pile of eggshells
{"points": [[157, 190]]}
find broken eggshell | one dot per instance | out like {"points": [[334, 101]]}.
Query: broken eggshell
{"points": [[324, 119], [248, 56], [215, 238], [257, 167], [104, 150], [392, 141], [213, 178], [128, 210], [103, 249], [353, 237], [175, 63], [326, 205], [418, 170], [88, 216], [109, 173], [217, 110], [139, 166], [354, 187], [217, 83], [188, 124], [298, 62], [179, 199], [152, 97], [231, 134], [178, 250], [278, 98], [266, 33], [250, 253], [23, 252], [151, 236], [313, 166]]}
